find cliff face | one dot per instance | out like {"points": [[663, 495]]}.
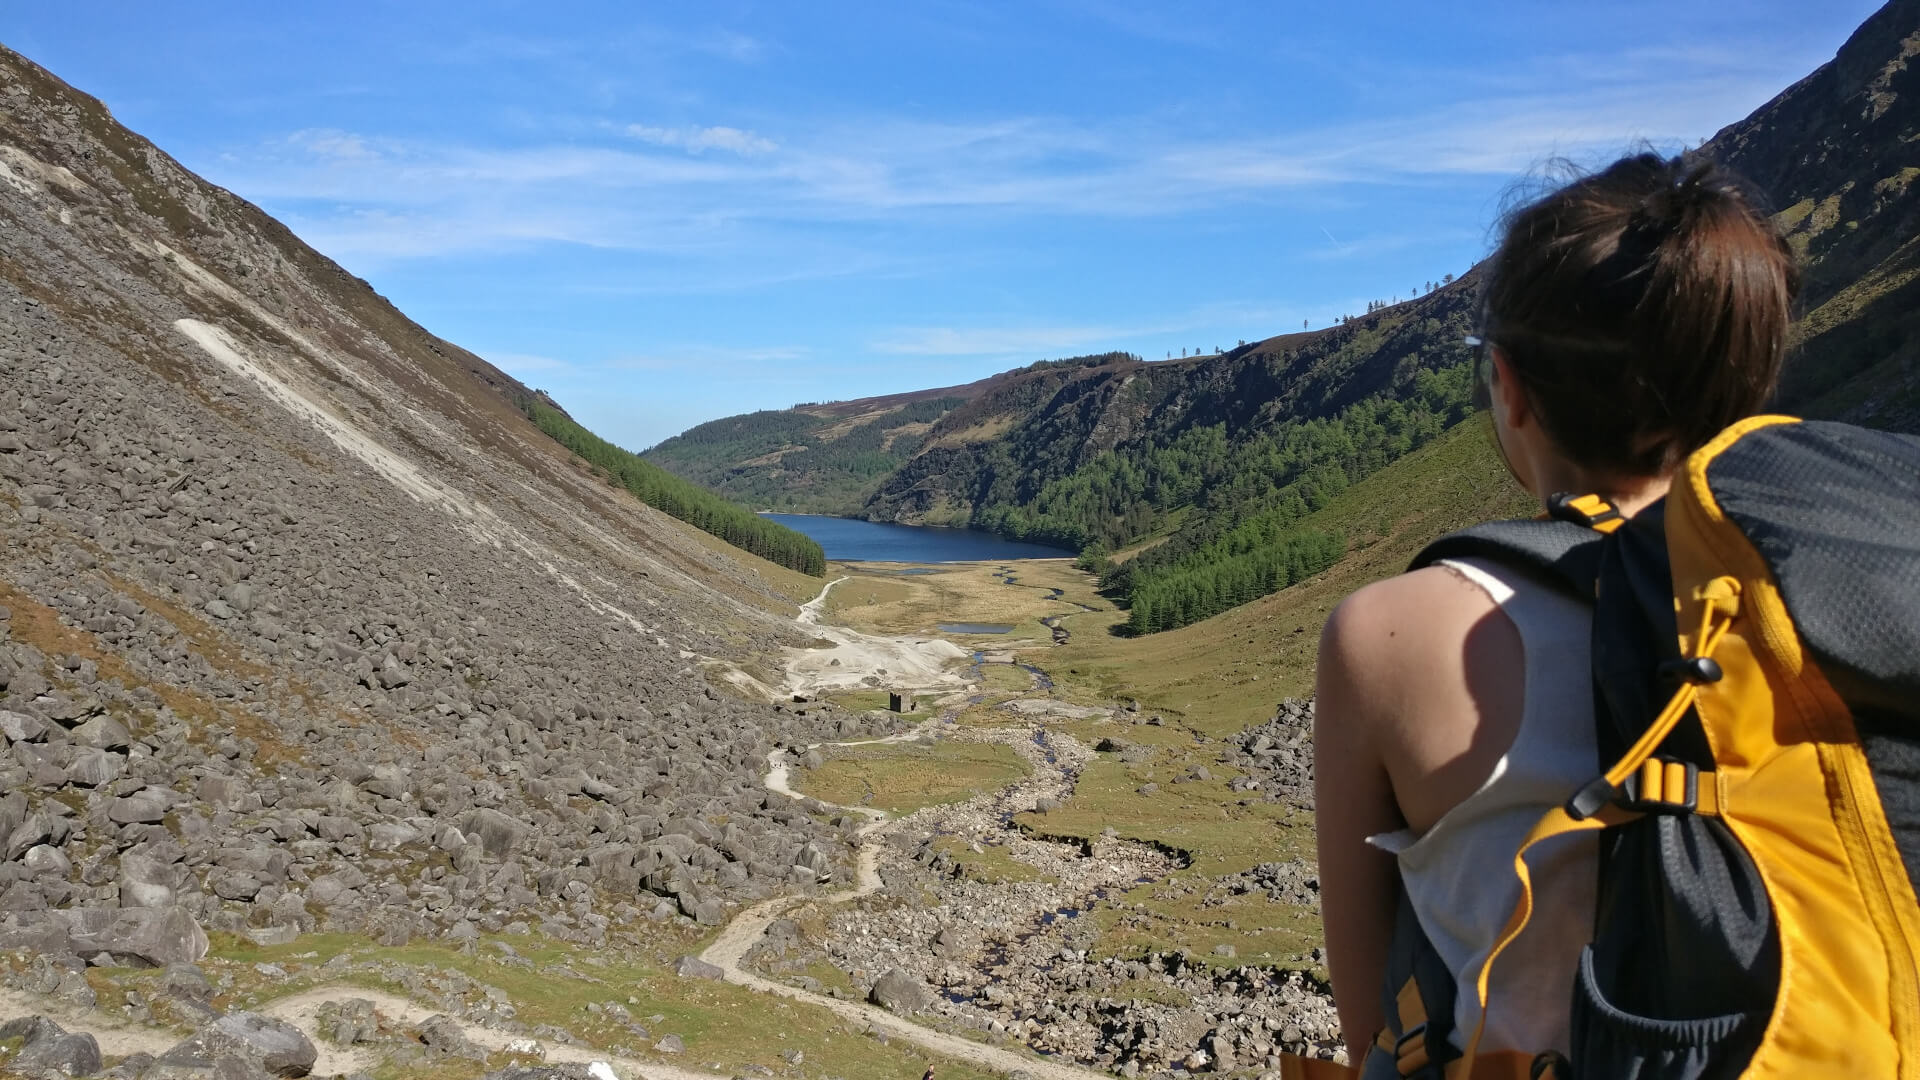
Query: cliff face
{"points": [[1837, 154], [294, 600]]}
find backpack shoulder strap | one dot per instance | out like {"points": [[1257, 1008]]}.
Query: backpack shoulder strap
{"points": [[1562, 553]]}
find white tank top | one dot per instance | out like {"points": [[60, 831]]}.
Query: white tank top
{"points": [[1459, 875]]}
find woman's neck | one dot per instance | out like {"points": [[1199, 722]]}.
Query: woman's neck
{"points": [[1629, 495]]}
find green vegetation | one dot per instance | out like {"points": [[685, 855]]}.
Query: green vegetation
{"points": [[1241, 541], [991, 864], [1226, 673], [724, 1026], [674, 496], [787, 459], [903, 777]]}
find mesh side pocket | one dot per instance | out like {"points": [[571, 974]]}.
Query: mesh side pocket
{"points": [[1618, 1045]]}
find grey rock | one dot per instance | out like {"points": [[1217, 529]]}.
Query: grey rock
{"points": [[21, 727], [96, 768], [141, 937], [498, 833], [692, 967], [142, 807], [62, 1055], [273, 1047], [898, 991], [102, 733], [46, 860], [671, 1044], [37, 829], [444, 1035]]}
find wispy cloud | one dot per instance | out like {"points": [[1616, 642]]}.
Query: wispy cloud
{"points": [[698, 139], [708, 358], [719, 187]]}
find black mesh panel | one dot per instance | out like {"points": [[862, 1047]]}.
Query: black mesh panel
{"points": [[1835, 511]]}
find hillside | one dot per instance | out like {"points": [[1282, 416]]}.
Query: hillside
{"points": [[824, 457], [306, 628], [1837, 154], [1224, 457]]}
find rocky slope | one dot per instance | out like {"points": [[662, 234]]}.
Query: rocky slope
{"points": [[303, 625]]}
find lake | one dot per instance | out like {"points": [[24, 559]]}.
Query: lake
{"points": [[873, 541]]}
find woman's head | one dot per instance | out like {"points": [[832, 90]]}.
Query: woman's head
{"points": [[1640, 309]]}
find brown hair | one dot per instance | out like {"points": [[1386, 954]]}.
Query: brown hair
{"points": [[1643, 308]]}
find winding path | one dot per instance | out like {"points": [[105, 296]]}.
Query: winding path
{"points": [[118, 1037], [745, 930]]}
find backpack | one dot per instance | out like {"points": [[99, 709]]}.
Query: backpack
{"points": [[1756, 672]]}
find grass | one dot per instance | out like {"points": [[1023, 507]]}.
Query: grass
{"points": [[724, 1027], [992, 864], [880, 600], [1227, 673], [903, 777]]}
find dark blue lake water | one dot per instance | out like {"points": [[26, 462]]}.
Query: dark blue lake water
{"points": [[871, 541]]}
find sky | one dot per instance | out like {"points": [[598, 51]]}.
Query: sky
{"points": [[667, 213]]}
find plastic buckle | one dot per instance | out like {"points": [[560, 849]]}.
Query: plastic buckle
{"points": [[1566, 506], [1417, 1051], [1633, 798]]}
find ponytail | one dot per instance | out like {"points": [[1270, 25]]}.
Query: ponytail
{"points": [[1643, 308]]}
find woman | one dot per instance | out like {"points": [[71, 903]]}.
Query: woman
{"points": [[1628, 317]]}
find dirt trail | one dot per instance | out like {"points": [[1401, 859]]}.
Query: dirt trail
{"points": [[906, 663], [118, 1038], [745, 930]]}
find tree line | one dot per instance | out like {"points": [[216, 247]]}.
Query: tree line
{"points": [[669, 494]]}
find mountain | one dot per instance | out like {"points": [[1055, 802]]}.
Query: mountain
{"points": [[1224, 456], [1837, 154], [306, 625], [817, 457]]}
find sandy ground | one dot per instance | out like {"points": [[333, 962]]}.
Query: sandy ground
{"points": [[901, 663]]}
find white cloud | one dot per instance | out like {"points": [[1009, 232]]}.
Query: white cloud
{"points": [[697, 139]]}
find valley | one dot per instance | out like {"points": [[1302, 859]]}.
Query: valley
{"points": [[362, 713]]}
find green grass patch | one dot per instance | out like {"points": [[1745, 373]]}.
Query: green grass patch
{"points": [[903, 777], [991, 865], [723, 1026]]}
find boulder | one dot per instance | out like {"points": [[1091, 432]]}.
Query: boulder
{"points": [[103, 733], [499, 834], [96, 768], [21, 727], [136, 937], [263, 1043], [692, 967], [60, 1056], [899, 992]]}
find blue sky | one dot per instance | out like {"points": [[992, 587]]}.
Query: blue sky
{"points": [[669, 213]]}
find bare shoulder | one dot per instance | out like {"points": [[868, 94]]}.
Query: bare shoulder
{"points": [[1426, 611], [1424, 671]]}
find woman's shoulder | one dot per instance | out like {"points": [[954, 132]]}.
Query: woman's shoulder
{"points": [[1428, 672], [1399, 618]]}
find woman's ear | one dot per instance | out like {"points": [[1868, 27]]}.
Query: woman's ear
{"points": [[1509, 396]]}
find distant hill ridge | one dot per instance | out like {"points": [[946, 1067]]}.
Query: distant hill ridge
{"points": [[1220, 455]]}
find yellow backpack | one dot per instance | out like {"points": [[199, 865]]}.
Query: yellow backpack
{"points": [[1756, 666]]}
